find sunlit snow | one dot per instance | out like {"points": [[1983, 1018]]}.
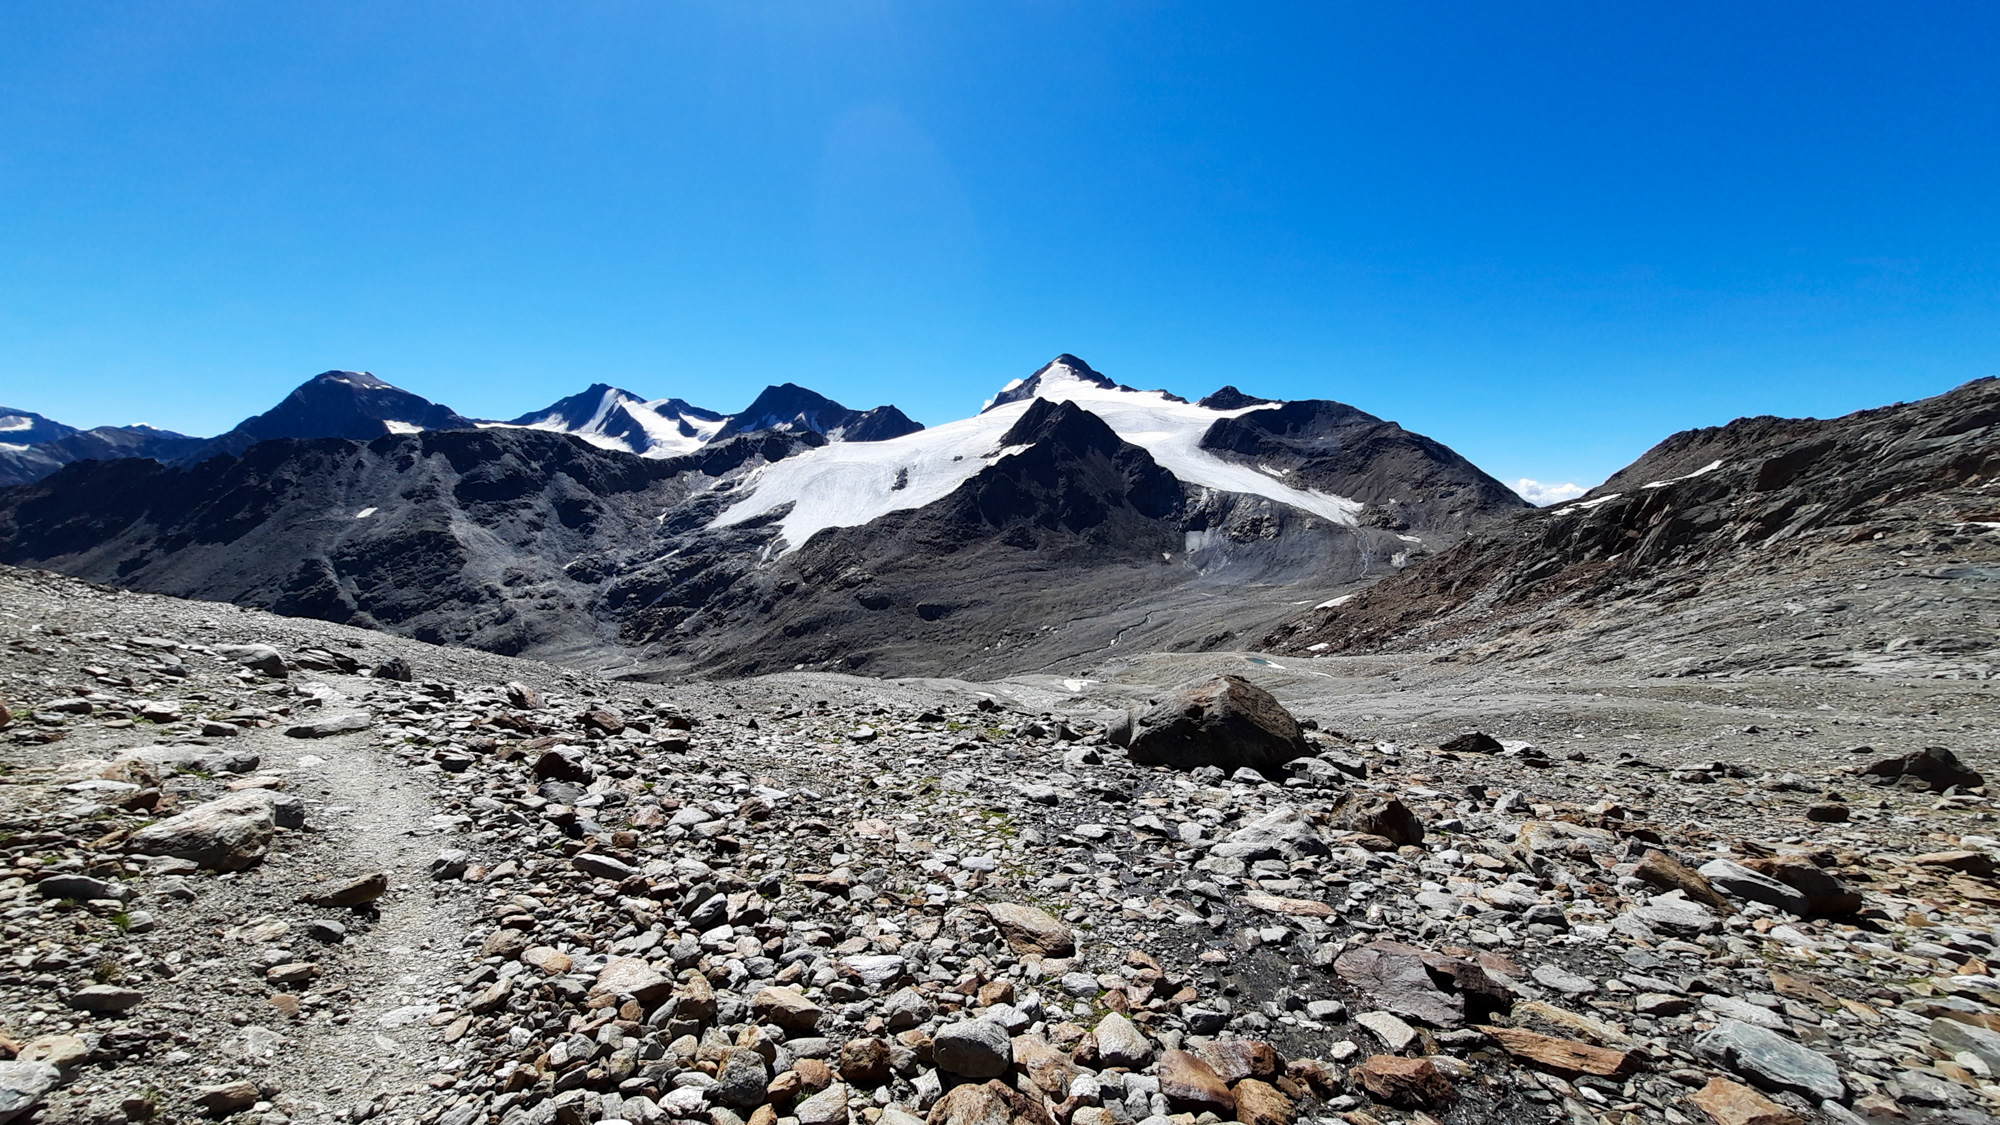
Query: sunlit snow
{"points": [[656, 417], [1708, 468], [402, 427], [16, 422], [851, 483]]}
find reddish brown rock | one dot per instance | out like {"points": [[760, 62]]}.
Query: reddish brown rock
{"points": [[1408, 1083], [1732, 1104], [989, 1103], [1193, 1086], [1670, 874], [864, 1062], [1563, 1056], [1233, 1060], [1260, 1103]]}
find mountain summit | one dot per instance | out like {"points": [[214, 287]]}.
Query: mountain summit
{"points": [[791, 407], [342, 404], [611, 418]]}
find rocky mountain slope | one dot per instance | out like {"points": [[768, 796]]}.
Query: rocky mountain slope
{"points": [[32, 447], [1046, 530], [266, 870], [1863, 543]]}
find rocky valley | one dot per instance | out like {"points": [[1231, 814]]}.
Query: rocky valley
{"points": [[1104, 759]]}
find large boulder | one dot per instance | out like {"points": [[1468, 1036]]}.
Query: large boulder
{"points": [[1227, 722], [1934, 768], [227, 834]]}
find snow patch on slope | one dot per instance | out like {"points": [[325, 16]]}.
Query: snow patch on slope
{"points": [[849, 484]]}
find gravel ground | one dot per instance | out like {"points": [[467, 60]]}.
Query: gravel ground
{"points": [[819, 899]]}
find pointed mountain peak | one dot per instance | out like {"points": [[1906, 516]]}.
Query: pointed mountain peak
{"points": [[359, 380], [1061, 377], [1229, 398], [789, 406]]}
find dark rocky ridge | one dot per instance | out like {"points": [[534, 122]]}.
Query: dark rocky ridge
{"points": [[789, 406], [337, 404], [1741, 564], [1407, 480], [49, 445]]}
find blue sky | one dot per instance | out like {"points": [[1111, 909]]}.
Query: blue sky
{"points": [[1547, 234]]}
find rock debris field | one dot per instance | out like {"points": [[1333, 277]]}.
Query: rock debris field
{"points": [[267, 870]]}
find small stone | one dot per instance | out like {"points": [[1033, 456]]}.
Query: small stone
{"points": [[450, 864], [348, 893], [864, 1062], [81, 888], [547, 958], [223, 1100], [227, 834], [742, 1079], [1564, 1056], [1741, 882], [788, 1008], [631, 976], [295, 972], [1236, 1059], [828, 1107], [1829, 813], [1390, 1029], [599, 866]]}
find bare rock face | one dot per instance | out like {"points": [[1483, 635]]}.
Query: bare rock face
{"points": [[1227, 722], [227, 834]]}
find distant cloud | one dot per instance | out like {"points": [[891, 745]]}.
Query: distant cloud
{"points": [[1535, 492]]}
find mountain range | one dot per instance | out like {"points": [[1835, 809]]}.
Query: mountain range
{"points": [[1070, 516], [1072, 521]]}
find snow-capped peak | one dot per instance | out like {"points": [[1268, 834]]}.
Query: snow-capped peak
{"points": [[847, 484], [611, 418]]}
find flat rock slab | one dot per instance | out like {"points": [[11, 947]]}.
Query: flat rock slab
{"points": [[1739, 881], [1400, 982], [228, 834], [1731, 1103], [22, 1084], [1563, 1056], [1389, 1028], [1030, 929], [1770, 1060], [330, 725]]}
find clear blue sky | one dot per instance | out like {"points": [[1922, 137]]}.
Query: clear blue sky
{"points": [[1547, 234]]}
